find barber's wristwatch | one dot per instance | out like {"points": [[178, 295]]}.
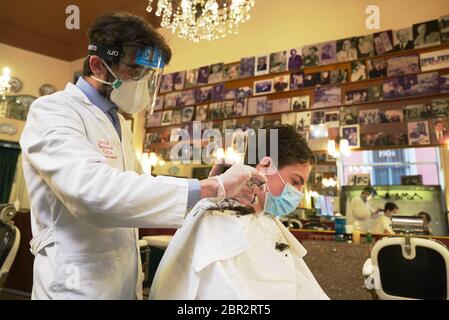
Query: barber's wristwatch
{"points": [[221, 193]]}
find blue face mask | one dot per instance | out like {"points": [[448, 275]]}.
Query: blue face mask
{"points": [[284, 204]]}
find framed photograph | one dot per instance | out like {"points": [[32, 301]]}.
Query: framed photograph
{"points": [[348, 116], [394, 88], [229, 124], [327, 97], [247, 67], [279, 105], [391, 116], [383, 42], [300, 103], [244, 92], [171, 100], [257, 105], [435, 60], [159, 105], [262, 65], [365, 46], [444, 83], [289, 119], [281, 83], [318, 117], [230, 94], [228, 109], [325, 78], [417, 112], [278, 62], [296, 80], [176, 117], [339, 76], [418, 133], [201, 113], [312, 80], [295, 60], [166, 83], [179, 79], [216, 111], [231, 71], [257, 122], [402, 65], [440, 108], [356, 96], [319, 131], [218, 92], [423, 84], [166, 118], [187, 114], [332, 118], [216, 73], [203, 76], [444, 29], [346, 50], [440, 131], [358, 71], [186, 98], [191, 79], [153, 120], [327, 52], [311, 56], [352, 134], [263, 87], [369, 117], [412, 180], [204, 94], [403, 39], [375, 93], [303, 121], [362, 180], [240, 107], [426, 34], [376, 68]]}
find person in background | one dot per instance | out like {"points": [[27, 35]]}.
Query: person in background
{"points": [[360, 210], [382, 225], [426, 217]]}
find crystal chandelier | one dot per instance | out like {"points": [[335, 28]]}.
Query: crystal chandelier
{"points": [[196, 20]]}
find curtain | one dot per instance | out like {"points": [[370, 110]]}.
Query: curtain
{"points": [[9, 153]]}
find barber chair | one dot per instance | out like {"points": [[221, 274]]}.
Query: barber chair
{"points": [[9, 241], [408, 268]]}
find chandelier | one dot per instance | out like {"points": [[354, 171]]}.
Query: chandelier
{"points": [[196, 20]]}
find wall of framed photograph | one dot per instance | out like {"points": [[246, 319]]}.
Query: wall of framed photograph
{"points": [[389, 89]]}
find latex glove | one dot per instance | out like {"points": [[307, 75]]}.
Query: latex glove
{"points": [[237, 181]]}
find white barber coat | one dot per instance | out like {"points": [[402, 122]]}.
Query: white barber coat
{"points": [[221, 256], [86, 200]]}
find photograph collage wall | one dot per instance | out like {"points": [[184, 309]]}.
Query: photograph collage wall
{"points": [[333, 109]]}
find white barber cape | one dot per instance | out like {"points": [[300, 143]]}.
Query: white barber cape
{"points": [[86, 201], [221, 256]]}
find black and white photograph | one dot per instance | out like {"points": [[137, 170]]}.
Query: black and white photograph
{"points": [[216, 73], [394, 88], [231, 71], [326, 78], [176, 116], [230, 94], [159, 105], [318, 117], [440, 131], [240, 107], [300, 103], [201, 113], [312, 79], [153, 120], [444, 29], [358, 71], [426, 84], [203, 76], [348, 116], [417, 112], [289, 118], [369, 117], [365, 46], [332, 118], [296, 80], [376, 68], [339, 76], [440, 108], [229, 124], [356, 96], [327, 52], [204, 94], [327, 97], [257, 105], [303, 121], [166, 118], [346, 50], [191, 78], [218, 92], [247, 67], [295, 59], [262, 65], [375, 93], [281, 83], [352, 134], [279, 105], [426, 34], [383, 42], [435, 60], [186, 98], [403, 39], [263, 87], [171, 100], [311, 56], [179, 79], [418, 133], [257, 122], [187, 114], [278, 62], [244, 92], [380, 139], [228, 109], [402, 65], [391, 116], [216, 111], [444, 83], [166, 83]]}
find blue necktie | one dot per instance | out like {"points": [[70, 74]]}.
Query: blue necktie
{"points": [[115, 121]]}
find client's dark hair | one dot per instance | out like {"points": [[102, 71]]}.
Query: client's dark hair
{"points": [[390, 206]]}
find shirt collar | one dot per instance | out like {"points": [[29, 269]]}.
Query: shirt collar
{"points": [[94, 96]]}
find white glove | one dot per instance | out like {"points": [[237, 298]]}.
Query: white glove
{"points": [[236, 181]]}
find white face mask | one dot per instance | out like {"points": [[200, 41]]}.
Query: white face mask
{"points": [[131, 96]]}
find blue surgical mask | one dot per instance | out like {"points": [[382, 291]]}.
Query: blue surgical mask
{"points": [[284, 204]]}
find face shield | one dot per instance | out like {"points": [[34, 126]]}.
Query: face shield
{"points": [[138, 77]]}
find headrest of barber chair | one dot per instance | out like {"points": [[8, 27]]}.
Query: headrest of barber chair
{"points": [[7, 212]]}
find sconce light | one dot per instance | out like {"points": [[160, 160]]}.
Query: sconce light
{"points": [[337, 151], [5, 78]]}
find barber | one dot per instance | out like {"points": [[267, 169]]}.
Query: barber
{"points": [[360, 213]]}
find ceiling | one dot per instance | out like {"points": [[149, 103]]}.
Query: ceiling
{"points": [[39, 25]]}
